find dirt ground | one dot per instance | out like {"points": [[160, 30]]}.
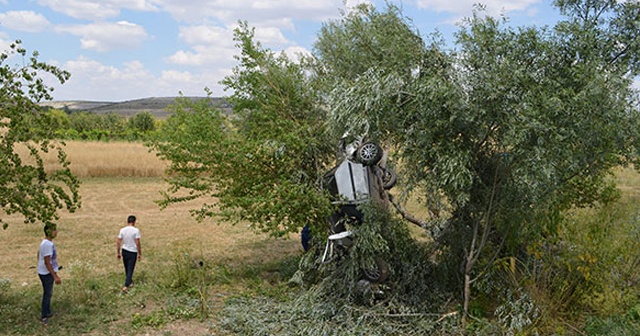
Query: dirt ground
{"points": [[88, 236]]}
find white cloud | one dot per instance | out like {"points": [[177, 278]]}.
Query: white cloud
{"points": [[85, 66], [282, 23], [93, 80], [81, 9], [271, 36], [90, 79], [464, 7], [353, 3], [27, 21], [208, 46], [193, 84], [96, 9], [107, 36], [177, 76], [228, 12], [5, 42], [215, 46], [295, 53], [207, 35], [203, 56]]}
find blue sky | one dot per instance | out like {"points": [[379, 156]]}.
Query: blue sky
{"points": [[120, 50]]}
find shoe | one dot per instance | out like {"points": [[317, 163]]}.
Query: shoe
{"points": [[125, 289], [45, 321]]}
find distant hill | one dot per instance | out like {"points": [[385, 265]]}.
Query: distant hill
{"points": [[154, 105]]}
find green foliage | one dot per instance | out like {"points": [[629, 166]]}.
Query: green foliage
{"points": [[516, 314], [142, 122], [84, 122], [282, 145], [362, 63], [5, 284], [605, 252], [413, 281], [26, 188], [58, 119], [627, 324], [83, 125], [86, 289], [83, 303], [263, 164], [589, 268], [193, 140], [155, 319]]}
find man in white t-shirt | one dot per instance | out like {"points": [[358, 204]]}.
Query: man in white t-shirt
{"points": [[48, 268], [128, 248]]}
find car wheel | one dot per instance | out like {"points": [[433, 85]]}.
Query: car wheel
{"points": [[389, 178], [379, 273], [369, 153]]}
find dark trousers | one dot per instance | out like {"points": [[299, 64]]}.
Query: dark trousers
{"points": [[47, 293], [129, 261]]}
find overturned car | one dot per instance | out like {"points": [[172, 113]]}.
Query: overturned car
{"points": [[360, 176]]}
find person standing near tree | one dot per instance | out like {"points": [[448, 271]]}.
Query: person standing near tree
{"points": [[48, 268], [128, 248]]}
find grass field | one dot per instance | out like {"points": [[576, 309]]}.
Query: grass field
{"points": [[172, 242], [105, 159]]}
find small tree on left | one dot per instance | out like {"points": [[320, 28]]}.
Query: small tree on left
{"points": [[26, 188]]}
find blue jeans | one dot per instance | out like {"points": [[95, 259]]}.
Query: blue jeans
{"points": [[129, 260], [47, 293]]}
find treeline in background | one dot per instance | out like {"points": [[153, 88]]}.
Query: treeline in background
{"points": [[83, 125]]}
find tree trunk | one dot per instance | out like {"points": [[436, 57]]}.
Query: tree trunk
{"points": [[467, 285]]}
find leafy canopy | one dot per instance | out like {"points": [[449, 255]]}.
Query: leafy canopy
{"points": [[25, 187], [504, 131], [509, 128], [263, 163]]}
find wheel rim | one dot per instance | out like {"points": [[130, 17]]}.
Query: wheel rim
{"points": [[378, 273], [368, 151], [373, 274], [387, 176]]}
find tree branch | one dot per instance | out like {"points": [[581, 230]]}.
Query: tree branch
{"points": [[405, 214]]}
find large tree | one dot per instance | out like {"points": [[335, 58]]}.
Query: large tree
{"points": [[505, 130], [509, 129], [25, 187]]}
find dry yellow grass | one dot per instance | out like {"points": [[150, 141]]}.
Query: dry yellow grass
{"points": [[628, 181], [88, 236], [106, 159]]}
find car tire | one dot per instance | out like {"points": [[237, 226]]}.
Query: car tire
{"points": [[369, 153], [389, 178], [379, 273]]}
